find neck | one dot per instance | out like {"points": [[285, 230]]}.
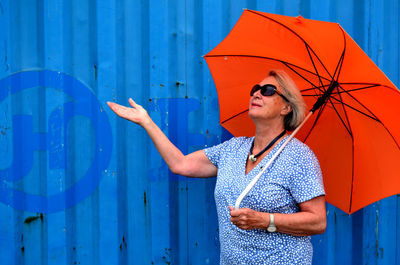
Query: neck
{"points": [[265, 133]]}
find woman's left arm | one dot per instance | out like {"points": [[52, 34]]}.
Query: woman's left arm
{"points": [[311, 220]]}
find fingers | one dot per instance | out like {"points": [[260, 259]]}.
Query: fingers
{"points": [[134, 112], [235, 215], [133, 103], [112, 105], [242, 218], [240, 222], [120, 109], [237, 212]]}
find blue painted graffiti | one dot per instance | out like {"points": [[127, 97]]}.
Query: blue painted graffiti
{"points": [[26, 142]]}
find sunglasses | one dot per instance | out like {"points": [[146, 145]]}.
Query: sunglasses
{"points": [[267, 91]]}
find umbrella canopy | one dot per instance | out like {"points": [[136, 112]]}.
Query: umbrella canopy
{"points": [[354, 132]]}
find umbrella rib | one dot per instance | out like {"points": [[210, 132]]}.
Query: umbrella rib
{"points": [[350, 95], [355, 89], [340, 63], [316, 95], [315, 68], [353, 108], [347, 126], [352, 149], [234, 116], [341, 119], [371, 116], [287, 65], [313, 89], [296, 35], [377, 119], [347, 105], [391, 135], [345, 112], [340, 92], [339, 66], [374, 117], [315, 122], [360, 83], [370, 84]]}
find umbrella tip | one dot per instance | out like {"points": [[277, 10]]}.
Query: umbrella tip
{"points": [[299, 19]]}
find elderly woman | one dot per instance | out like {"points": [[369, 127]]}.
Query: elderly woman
{"points": [[286, 205]]}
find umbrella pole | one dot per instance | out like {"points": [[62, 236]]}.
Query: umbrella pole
{"points": [[255, 179]]}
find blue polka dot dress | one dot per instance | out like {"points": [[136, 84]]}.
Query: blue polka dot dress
{"points": [[294, 177]]}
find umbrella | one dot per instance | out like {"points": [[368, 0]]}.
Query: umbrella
{"points": [[354, 129]]}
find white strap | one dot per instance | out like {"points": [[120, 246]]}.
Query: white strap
{"points": [[255, 179]]}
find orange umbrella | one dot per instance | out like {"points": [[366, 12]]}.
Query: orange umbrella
{"points": [[354, 132]]}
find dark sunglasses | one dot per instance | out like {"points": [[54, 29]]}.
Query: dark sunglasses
{"points": [[267, 91]]}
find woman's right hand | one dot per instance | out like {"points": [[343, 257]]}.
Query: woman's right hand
{"points": [[136, 114]]}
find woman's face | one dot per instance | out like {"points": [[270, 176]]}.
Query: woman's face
{"points": [[268, 107]]}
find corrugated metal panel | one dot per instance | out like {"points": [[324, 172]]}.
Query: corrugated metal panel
{"points": [[81, 186]]}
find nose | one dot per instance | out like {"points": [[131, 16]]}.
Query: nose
{"points": [[257, 94]]}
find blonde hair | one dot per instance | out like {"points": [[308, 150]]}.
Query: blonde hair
{"points": [[296, 101]]}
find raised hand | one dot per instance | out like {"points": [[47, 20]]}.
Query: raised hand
{"points": [[136, 114]]}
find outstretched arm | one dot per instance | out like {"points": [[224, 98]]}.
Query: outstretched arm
{"points": [[193, 165]]}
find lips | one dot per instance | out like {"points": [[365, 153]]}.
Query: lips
{"points": [[253, 104]]}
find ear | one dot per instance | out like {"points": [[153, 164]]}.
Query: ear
{"points": [[286, 109]]}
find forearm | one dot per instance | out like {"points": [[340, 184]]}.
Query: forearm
{"points": [[297, 224], [168, 151], [311, 220]]}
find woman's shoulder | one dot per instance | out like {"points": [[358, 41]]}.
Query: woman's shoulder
{"points": [[235, 142], [238, 140], [296, 143], [298, 149], [301, 158], [231, 144], [242, 139]]}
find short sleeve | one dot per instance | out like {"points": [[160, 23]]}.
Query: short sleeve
{"points": [[215, 152], [306, 182]]}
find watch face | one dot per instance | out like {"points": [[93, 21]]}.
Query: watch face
{"points": [[271, 229]]}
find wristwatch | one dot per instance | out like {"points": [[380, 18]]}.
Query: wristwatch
{"points": [[271, 228]]}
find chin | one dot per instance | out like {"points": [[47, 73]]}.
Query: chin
{"points": [[253, 114]]}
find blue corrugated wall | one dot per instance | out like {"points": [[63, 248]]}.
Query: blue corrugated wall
{"points": [[80, 186]]}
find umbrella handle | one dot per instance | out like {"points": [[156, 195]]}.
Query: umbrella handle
{"points": [[255, 179]]}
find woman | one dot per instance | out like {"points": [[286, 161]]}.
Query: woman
{"points": [[287, 204]]}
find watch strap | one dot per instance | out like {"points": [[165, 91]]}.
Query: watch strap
{"points": [[271, 226]]}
